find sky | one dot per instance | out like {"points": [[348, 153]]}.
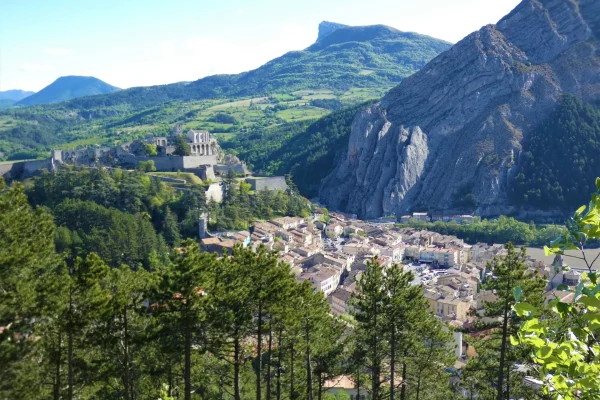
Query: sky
{"points": [[130, 43]]}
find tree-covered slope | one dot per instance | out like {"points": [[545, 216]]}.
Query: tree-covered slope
{"points": [[67, 88], [561, 158], [305, 150]]}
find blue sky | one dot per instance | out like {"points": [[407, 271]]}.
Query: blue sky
{"points": [[148, 42]]}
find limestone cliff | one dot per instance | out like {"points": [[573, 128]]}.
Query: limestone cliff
{"points": [[457, 125]]}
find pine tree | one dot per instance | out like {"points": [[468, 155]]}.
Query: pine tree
{"points": [[182, 306], [182, 148], [370, 308], [170, 229], [30, 279], [496, 358]]}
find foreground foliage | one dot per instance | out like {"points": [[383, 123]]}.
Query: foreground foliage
{"points": [[565, 350]]}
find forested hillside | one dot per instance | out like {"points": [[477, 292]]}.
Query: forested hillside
{"points": [[306, 151], [560, 158]]}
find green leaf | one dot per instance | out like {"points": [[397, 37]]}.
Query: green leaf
{"points": [[580, 210], [548, 251], [517, 292], [598, 183], [590, 301], [593, 277], [523, 309], [544, 352], [514, 341], [562, 307], [562, 286]]}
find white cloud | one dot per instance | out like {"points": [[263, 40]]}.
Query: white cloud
{"points": [[27, 67], [57, 51], [239, 11]]}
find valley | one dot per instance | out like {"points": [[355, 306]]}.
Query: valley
{"points": [[378, 215]]}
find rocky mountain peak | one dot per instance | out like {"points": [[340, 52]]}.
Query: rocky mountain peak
{"points": [[472, 107], [326, 28]]}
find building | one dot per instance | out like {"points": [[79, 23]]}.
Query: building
{"points": [[334, 231], [443, 257], [287, 222], [267, 183], [447, 306], [420, 216], [395, 253], [201, 143], [339, 300], [323, 278]]}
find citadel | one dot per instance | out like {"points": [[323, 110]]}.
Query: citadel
{"points": [[206, 159]]}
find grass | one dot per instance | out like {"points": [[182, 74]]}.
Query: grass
{"points": [[188, 176], [238, 103], [301, 113]]}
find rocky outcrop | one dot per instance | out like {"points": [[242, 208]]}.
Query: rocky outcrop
{"points": [[326, 28], [457, 125]]}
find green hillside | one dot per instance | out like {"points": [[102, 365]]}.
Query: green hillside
{"points": [[560, 160], [344, 67]]}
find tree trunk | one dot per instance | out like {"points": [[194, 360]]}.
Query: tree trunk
{"points": [[500, 393], [187, 369], [392, 362], [419, 385], [269, 364], [403, 387], [170, 378], [292, 393], [70, 347], [259, 351], [279, 355], [57, 371], [309, 387], [126, 374], [508, 381], [236, 368], [357, 382], [319, 394]]}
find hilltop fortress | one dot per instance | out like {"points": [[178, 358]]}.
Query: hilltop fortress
{"points": [[206, 158]]}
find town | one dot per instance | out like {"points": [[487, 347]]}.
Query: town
{"points": [[331, 250]]}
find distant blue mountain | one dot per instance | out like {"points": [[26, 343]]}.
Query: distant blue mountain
{"points": [[14, 95], [68, 88]]}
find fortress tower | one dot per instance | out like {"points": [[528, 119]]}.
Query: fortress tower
{"points": [[178, 130]]}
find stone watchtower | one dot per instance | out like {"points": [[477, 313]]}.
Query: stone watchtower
{"points": [[178, 130], [202, 226]]}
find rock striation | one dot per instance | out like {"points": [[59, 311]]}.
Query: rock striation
{"points": [[458, 124]]}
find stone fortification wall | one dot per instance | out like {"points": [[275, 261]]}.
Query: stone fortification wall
{"points": [[24, 169], [204, 172], [239, 169], [267, 183], [169, 164]]}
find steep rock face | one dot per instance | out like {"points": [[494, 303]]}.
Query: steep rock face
{"points": [[457, 125], [326, 28]]}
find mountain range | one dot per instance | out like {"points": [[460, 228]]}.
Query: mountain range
{"points": [[460, 127], [10, 97], [67, 88], [343, 57], [344, 66]]}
